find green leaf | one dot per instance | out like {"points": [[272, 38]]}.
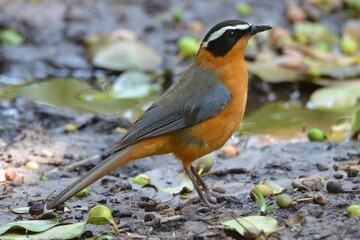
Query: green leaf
{"points": [[9, 37], [184, 181], [141, 179], [101, 214], [355, 124], [34, 226], [265, 224], [122, 55], [307, 32], [67, 231], [272, 71], [134, 85], [244, 9], [335, 98], [260, 200]]}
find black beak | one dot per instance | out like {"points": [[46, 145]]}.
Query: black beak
{"points": [[259, 28]]}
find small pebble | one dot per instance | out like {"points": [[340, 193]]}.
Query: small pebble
{"points": [[149, 206], [188, 210], [204, 210], [162, 207], [37, 208], [11, 175], [295, 13], [149, 217], [312, 183], [311, 210], [125, 214], [102, 201], [170, 213], [338, 175], [228, 152], [69, 156], [322, 167], [352, 173], [334, 186], [218, 189], [79, 217], [87, 234], [321, 200]]}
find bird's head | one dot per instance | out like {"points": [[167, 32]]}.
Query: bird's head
{"points": [[227, 40]]}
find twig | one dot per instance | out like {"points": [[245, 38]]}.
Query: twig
{"points": [[80, 163]]}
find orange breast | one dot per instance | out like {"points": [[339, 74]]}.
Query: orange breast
{"points": [[194, 142], [215, 131]]}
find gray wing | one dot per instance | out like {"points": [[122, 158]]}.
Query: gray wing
{"points": [[186, 103]]}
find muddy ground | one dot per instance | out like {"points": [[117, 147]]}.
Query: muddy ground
{"points": [[34, 132], [47, 144]]}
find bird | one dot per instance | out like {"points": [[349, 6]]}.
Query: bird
{"points": [[195, 116]]}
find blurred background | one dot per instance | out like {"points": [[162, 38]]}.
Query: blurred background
{"points": [[115, 57]]}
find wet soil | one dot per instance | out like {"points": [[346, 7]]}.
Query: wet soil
{"points": [[34, 132], [39, 137]]}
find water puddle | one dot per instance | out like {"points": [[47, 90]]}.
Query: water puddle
{"points": [[78, 95], [283, 120], [290, 120]]}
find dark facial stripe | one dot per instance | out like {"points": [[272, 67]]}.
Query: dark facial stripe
{"points": [[223, 36]]}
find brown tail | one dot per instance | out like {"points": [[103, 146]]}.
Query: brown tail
{"points": [[108, 165]]}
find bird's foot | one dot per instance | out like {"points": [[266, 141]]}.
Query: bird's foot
{"points": [[224, 197]]}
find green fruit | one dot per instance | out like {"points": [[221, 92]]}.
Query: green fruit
{"points": [[9, 37], [284, 201], [177, 14], [244, 9], [70, 127], [99, 214], [349, 45], [83, 193], [44, 178], [265, 191], [188, 46], [316, 134], [354, 210], [204, 164], [322, 46], [141, 179]]}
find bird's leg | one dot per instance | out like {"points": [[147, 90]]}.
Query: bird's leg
{"points": [[197, 188], [198, 178], [207, 189]]}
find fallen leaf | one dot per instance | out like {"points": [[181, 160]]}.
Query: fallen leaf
{"points": [[308, 32], [20, 210], [134, 85], [68, 231], [33, 226], [121, 55], [265, 224], [335, 98], [184, 182], [272, 71], [275, 188]]}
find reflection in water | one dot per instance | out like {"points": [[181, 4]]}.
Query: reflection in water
{"points": [[79, 95], [284, 120]]}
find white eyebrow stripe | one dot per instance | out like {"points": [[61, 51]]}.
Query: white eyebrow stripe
{"points": [[221, 31]]}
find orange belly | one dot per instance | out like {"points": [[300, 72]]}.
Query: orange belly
{"points": [[192, 143]]}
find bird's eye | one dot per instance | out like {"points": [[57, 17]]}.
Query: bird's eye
{"points": [[231, 34]]}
